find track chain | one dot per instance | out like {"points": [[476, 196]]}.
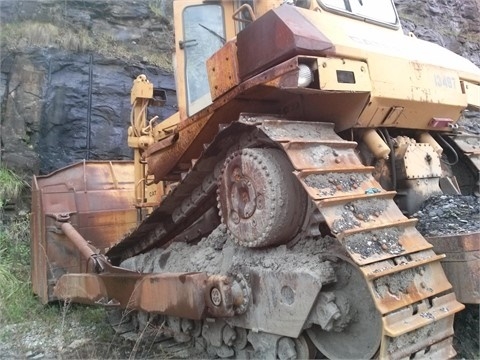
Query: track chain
{"points": [[404, 275]]}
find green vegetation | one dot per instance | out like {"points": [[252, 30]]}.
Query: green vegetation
{"points": [[16, 37], [11, 185], [155, 7], [15, 299], [160, 9], [19, 307], [14, 254]]}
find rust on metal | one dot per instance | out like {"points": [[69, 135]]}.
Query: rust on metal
{"points": [[221, 298], [305, 155], [81, 288], [461, 264], [80, 243], [276, 40], [173, 294], [97, 197], [186, 295], [405, 320], [405, 330], [201, 128], [322, 184], [222, 70], [409, 286], [383, 268], [408, 240], [404, 282], [161, 161]]}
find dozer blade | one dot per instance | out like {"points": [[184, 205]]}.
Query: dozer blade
{"points": [[97, 198]]}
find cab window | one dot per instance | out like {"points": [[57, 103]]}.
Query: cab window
{"points": [[204, 34], [376, 10]]}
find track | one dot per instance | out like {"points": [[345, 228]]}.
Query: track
{"points": [[402, 274]]}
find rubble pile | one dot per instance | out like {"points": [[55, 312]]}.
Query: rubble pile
{"points": [[449, 215]]}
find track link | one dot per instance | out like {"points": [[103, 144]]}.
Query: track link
{"points": [[404, 275]]}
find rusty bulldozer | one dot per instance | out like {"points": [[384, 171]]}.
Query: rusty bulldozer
{"points": [[271, 216]]}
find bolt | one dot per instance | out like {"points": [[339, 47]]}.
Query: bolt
{"points": [[260, 201], [235, 218], [216, 296]]}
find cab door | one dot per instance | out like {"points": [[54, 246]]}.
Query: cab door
{"points": [[200, 30]]}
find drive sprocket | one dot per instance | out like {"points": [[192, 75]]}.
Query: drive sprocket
{"points": [[260, 200]]}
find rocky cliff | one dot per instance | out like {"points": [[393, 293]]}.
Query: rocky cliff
{"points": [[454, 24], [66, 72], [67, 69]]}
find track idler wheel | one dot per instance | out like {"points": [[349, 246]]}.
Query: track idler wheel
{"points": [[351, 326], [260, 200]]}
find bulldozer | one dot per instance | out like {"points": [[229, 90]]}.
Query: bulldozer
{"points": [[271, 216]]}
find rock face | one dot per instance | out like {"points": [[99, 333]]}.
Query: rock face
{"points": [[67, 68], [61, 105], [453, 24]]}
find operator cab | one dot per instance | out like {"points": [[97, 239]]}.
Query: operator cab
{"points": [[203, 27]]}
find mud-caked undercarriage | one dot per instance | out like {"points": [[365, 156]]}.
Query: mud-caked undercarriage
{"points": [[315, 254], [276, 236]]}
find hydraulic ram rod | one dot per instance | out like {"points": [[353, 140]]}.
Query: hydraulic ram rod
{"points": [[83, 247]]}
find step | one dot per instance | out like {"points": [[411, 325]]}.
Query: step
{"points": [[406, 287], [371, 245], [384, 268], [343, 214], [323, 184], [298, 131], [440, 350], [317, 155], [404, 321]]}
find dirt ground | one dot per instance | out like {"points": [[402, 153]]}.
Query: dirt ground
{"points": [[35, 341], [466, 340]]}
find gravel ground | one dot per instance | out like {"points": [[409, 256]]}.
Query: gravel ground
{"points": [[38, 340], [466, 340], [448, 215], [34, 341]]}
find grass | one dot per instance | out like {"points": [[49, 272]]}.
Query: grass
{"points": [[155, 7], [11, 185], [17, 37], [16, 301], [59, 330], [23, 316], [19, 308]]}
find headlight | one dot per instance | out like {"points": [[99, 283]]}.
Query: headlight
{"points": [[305, 75]]}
